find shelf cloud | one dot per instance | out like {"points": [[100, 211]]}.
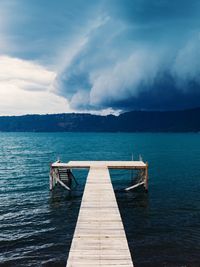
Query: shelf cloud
{"points": [[107, 55], [144, 55]]}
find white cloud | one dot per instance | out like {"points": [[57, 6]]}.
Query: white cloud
{"points": [[26, 73], [26, 88]]}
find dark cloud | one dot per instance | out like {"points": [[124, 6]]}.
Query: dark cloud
{"points": [[130, 54], [144, 55], [163, 95]]}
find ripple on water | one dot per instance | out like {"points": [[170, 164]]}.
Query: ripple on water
{"points": [[36, 226]]}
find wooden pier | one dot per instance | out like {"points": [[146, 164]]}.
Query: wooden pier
{"points": [[99, 238]]}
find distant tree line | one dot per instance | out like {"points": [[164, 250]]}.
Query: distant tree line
{"points": [[134, 121]]}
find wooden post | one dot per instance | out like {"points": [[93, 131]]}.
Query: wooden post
{"points": [[69, 178], [146, 177], [50, 182], [51, 178]]}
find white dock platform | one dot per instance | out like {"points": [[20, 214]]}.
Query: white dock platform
{"points": [[99, 239], [108, 164]]}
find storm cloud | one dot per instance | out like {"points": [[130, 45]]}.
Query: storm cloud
{"points": [[140, 55], [109, 54]]}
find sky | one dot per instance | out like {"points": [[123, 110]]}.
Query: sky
{"points": [[103, 56]]}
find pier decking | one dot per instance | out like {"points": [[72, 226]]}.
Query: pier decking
{"points": [[99, 238], [108, 164]]}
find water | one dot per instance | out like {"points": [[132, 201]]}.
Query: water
{"points": [[36, 226]]}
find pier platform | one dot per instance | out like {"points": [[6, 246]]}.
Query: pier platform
{"points": [[99, 238]]}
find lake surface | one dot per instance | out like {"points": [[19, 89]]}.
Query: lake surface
{"points": [[162, 227]]}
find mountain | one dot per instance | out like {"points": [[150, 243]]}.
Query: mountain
{"points": [[134, 121]]}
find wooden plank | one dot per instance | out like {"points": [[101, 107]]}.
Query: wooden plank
{"points": [[99, 238], [134, 186], [101, 164], [64, 185]]}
